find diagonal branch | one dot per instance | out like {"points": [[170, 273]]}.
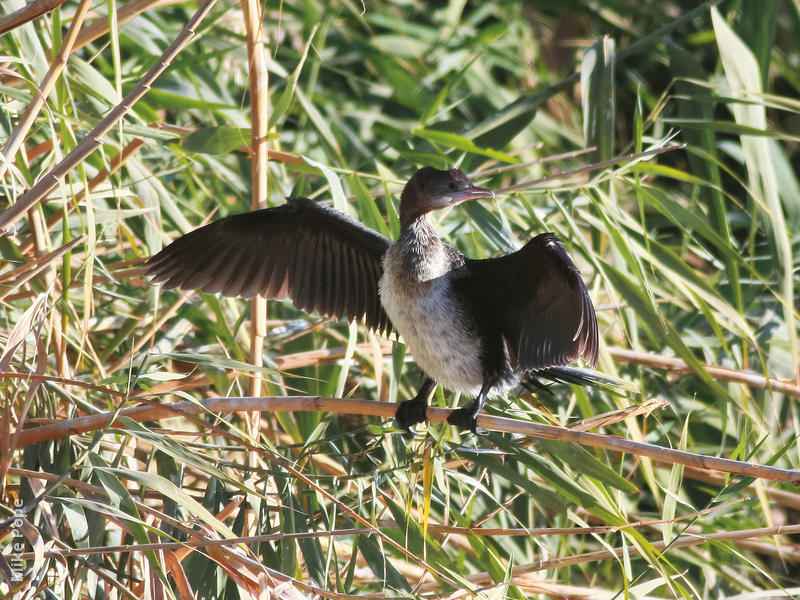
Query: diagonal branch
{"points": [[48, 83], [28, 13], [94, 139]]}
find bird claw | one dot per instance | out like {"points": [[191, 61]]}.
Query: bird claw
{"points": [[411, 412], [465, 418]]}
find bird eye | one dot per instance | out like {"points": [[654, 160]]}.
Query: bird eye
{"points": [[453, 186]]}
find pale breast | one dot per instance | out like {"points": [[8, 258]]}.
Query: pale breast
{"points": [[428, 316]]}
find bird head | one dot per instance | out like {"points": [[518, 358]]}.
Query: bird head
{"points": [[431, 189]]}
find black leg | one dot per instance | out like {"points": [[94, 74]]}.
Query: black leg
{"points": [[411, 412], [467, 417]]}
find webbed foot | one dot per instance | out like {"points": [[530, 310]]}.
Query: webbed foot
{"points": [[466, 419], [411, 412]]}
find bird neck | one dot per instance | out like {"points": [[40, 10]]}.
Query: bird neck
{"points": [[412, 205], [424, 255]]}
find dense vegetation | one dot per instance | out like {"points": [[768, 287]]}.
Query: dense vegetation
{"points": [[658, 139]]}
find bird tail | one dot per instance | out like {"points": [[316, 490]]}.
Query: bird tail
{"points": [[533, 381]]}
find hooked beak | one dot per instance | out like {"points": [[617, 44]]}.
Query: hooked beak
{"points": [[471, 193]]}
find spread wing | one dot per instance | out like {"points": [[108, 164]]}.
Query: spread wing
{"points": [[541, 304], [318, 257]]}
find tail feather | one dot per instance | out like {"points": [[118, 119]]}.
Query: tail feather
{"points": [[577, 377]]}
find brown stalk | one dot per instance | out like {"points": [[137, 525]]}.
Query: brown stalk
{"points": [[311, 484], [41, 243], [28, 13], [93, 140], [717, 479], [742, 538], [94, 491], [280, 462], [76, 283], [20, 132], [438, 529], [620, 414], [387, 409], [482, 172], [30, 270], [681, 542], [389, 524], [313, 357], [125, 13], [101, 176], [63, 381], [678, 365], [259, 122]]}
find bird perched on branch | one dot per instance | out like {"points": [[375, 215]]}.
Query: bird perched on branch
{"points": [[479, 327]]}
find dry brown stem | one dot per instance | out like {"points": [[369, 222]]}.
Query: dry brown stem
{"points": [[114, 166], [681, 542], [387, 409], [678, 365], [259, 121], [125, 13], [20, 132], [28, 13], [93, 140]]}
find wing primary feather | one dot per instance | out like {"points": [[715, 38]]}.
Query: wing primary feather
{"points": [[295, 272], [224, 269], [370, 291], [331, 288], [309, 250], [355, 274], [276, 286], [316, 286], [193, 279], [304, 272], [360, 282], [203, 271], [361, 292], [321, 258], [239, 272], [258, 277], [353, 290], [373, 299], [323, 280], [176, 269], [349, 278], [176, 255], [339, 285], [165, 271], [368, 286], [579, 329]]}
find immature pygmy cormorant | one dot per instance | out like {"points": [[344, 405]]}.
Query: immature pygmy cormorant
{"points": [[480, 327]]}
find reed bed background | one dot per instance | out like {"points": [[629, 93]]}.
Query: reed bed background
{"points": [[658, 139]]}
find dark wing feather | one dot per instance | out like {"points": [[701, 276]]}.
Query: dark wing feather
{"points": [[317, 256], [540, 304]]}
